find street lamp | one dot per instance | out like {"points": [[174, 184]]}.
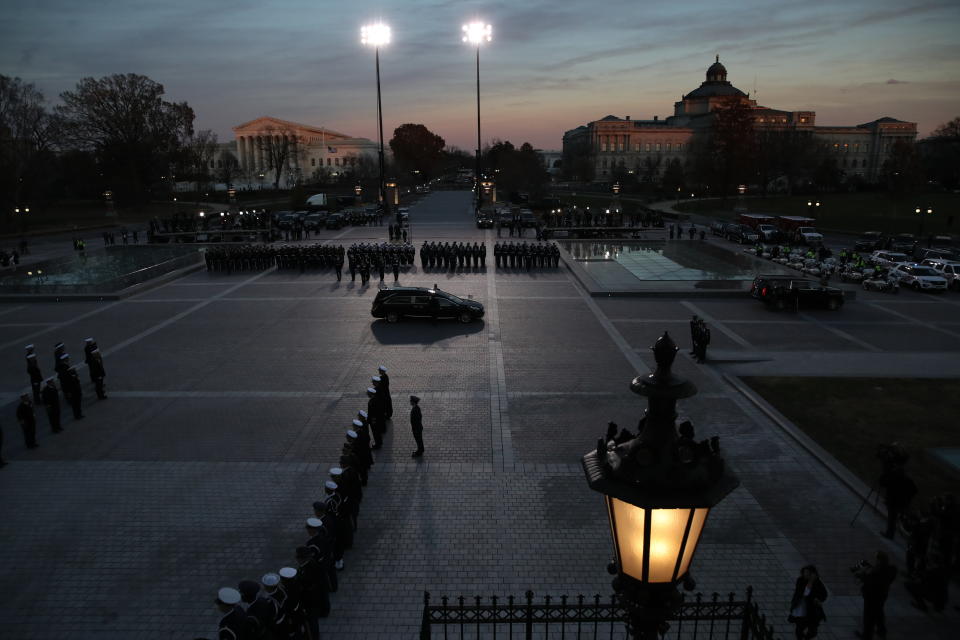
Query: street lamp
{"points": [[377, 35], [812, 207], [920, 211], [476, 33], [659, 488]]}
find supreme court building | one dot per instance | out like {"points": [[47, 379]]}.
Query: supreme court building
{"points": [[308, 148], [613, 143]]}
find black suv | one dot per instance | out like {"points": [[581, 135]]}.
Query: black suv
{"points": [[784, 292], [870, 241], [420, 302], [741, 233], [484, 220]]}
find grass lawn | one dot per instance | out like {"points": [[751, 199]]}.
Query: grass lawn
{"points": [[854, 212], [849, 417]]}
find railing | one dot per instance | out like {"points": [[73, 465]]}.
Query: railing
{"points": [[585, 617]]}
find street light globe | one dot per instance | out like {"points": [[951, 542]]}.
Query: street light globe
{"points": [[375, 35], [477, 33]]}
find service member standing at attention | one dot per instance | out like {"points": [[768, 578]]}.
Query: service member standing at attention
{"points": [[385, 386], [97, 372], [234, 622], [28, 421], [33, 370], [51, 400], [73, 391], [376, 420], [416, 424]]}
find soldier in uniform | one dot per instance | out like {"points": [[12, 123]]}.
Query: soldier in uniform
{"points": [[293, 623], [416, 424], [233, 625], [375, 412], [261, 609], [73, 391], [33, 370], [28, 421], [314, 598], [385, 388], [483, 255], [97, 372], [321, 544], [275, 591], [51, 400], [338, 266], [58, 352]]}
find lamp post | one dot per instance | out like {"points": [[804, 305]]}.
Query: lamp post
{"points": [[659, 488], [812, 207], [476, 33], [377, 35]]}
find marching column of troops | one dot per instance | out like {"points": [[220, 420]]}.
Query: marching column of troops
{"points": [[46, 393], [524, 255], [288, 604], [455, 255]]}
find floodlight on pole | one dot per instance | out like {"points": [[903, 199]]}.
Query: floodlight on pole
{"points": [[377, 35], [476, 33]]}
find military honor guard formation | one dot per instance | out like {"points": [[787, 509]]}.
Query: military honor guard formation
{"points": [[288, 604], [46, 393]]}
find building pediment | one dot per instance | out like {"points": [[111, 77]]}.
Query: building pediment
{"points": [[268, 123]]}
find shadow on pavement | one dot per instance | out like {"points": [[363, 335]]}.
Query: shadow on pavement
{"points": [[422, 331]]}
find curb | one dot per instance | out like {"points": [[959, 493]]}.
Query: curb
{"points": [[824, 457]]}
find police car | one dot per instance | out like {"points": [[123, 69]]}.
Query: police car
{"points": [[918, 277]]}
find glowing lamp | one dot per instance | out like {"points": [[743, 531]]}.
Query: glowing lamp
{"points": [[375, 35], [477, 33]]}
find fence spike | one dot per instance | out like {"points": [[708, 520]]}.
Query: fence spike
{"points": [[493, 599], [580, 599], [477, 600], [714, 597], [426, 598], [510, 600], [546, 599], [460, 600], [699, 597], [749, 593], [444, 600], [730, 596], [529, 595]]}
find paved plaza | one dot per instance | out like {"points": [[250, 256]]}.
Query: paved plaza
{"points": [[229, 396]]}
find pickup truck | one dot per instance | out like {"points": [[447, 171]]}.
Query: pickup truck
{"points": [[784, 292]]}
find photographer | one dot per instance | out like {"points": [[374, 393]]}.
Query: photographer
{"points": [[875, 581], [899, 489], [806, 606]]}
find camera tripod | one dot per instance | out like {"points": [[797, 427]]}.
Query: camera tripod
{"points": [[876, 501]]}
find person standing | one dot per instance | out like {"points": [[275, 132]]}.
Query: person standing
{"points": [[234, 622], [396, 269], [73, 391], [806, 606], [385, 387], [875, 587], [338, 266], [702, 342], [51, 401], [899, 490], [33, 370], [97, 372], [694, 334], [375, 413], [416, 424], [28, 421]]}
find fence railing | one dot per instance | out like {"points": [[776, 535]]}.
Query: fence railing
{"points": [[582, 617]]}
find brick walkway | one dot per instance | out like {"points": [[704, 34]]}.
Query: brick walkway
{"points": [[230, 395]]}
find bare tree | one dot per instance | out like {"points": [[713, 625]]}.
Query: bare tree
{"points": [[280, 148], [201, 149], [228, 167], [25, 138]]}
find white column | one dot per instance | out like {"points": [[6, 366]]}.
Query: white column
{"points": [[260, 163], [241, 152]]}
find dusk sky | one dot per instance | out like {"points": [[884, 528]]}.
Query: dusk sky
{"points": [[551, 66]]}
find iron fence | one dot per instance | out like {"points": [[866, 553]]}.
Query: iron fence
{"points": [[584, 617]]}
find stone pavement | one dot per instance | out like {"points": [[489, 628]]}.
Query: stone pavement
{"points": [[229, 396]]}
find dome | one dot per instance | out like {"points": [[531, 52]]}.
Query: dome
{"points": [[717, 72]]}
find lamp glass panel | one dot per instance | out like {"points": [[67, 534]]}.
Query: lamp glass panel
{"points": [[626, 521], [696, 528], [666, 536]]}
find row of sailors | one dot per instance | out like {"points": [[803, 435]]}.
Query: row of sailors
{"points": [[381, 252], [322, 256], [288, 604], [526, 255], [250, 257], [447, 255]]}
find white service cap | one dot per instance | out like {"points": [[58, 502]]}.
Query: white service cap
{"points": [[382, 368], [371, 390], [270, 580], [315, 523], [228, 595], [353, 435], [287, 572], [336, 471], [362, 413], [330, 484], [375, 379], [357, 423]]}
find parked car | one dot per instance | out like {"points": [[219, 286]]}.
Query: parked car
{"points": [[918, 277], [768, 231], [420, 302], [729, 230], [949, 269], [903, 242], [716, 228], [335, 221], [888, 258], [869, 241], [809, 236], [404, 213], [784, 292], [315, 221], [527, 219], [741, 233]]}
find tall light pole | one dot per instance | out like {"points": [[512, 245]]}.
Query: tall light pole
{"points": [[377, 35], [476, 33]]}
